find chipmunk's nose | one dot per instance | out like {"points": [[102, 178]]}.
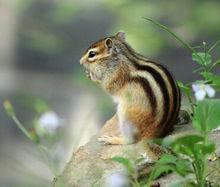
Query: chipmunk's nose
{"points": [[83, 59]]}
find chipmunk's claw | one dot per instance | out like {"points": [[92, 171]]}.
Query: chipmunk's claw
{"points": [[105, 139], [111, 140]]}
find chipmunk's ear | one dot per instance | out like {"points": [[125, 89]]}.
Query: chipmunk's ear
{"points": [[120, 35], [108, 43]]}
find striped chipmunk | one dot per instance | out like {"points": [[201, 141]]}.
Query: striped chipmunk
{"points": [[147, 96]]}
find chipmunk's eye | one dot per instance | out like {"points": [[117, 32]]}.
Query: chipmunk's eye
{"points": [[92, 54]]}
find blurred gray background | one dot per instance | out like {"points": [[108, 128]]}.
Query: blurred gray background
{"points": [[41, 42]]}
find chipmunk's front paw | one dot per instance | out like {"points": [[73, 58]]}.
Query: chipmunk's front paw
{"points": [[105, 139], [111, 140]]}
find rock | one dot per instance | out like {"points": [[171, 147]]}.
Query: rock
{"points": [[91, 164]]}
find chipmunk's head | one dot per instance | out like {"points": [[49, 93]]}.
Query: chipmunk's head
{"points": [[100, 58]]}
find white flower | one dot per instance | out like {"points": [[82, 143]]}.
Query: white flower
{"points": [[201, 90], [117, 179], [49, 121]]}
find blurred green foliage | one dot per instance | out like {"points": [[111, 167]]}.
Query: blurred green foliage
{"points": [[191, 19], [51, 22]]}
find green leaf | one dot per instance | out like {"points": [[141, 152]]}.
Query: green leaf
{"points": [[126, 163], [188, 140], [186, 89], [213, 46], [167, 159], [183, 167], [214, 64], [215, 79], [170, 163], [208, 148], [40, 106], [167, 141], [186, 144], [205, 149], [161, 169], [177, 164], [207, 115], [202, 58]]}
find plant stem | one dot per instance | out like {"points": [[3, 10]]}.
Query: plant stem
{"points": [[43, 150], [213, 46], [21, 127], [213, 65], [186, 45], [195, 171], [191, 102]]}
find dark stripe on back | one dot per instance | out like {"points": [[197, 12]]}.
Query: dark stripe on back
{"points": [[162, 85], [176, 101], [175, 90], [148, 91]]}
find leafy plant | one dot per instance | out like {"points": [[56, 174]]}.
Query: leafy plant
{"points": [[192, 150]]}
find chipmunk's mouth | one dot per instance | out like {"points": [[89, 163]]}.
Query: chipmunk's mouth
{"points": [[92, 75]]}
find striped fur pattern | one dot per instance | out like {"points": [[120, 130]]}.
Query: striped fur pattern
{"points": [[147, 95]]}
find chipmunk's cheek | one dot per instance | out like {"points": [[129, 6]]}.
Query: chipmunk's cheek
{"points": [[93, 72]]}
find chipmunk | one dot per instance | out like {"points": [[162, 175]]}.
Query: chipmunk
{"points": [[147, 96]]}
